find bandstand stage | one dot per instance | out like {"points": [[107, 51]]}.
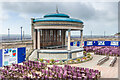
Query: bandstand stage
{"points": [[49, 36]]}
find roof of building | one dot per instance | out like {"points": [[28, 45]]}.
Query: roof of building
{"points": [[57, 17]]}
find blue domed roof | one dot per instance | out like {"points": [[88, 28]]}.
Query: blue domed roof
{"points": [[57, 17]]}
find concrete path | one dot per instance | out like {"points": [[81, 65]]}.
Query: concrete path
{"points": [[106, 70]]}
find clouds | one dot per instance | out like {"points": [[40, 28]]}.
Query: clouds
{"points": [[29, 7], [75, 9], [97, 17]]}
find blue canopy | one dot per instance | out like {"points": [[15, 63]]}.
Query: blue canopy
{"points": [[57, 17]]}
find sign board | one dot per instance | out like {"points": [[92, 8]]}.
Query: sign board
{"points": [[9, 56], [79, 54], [13, 55]]}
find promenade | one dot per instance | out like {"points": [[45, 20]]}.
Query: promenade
{"points": [[106, 70]]}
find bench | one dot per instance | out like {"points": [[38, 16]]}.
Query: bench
{"points": [[113, 62], [103, 60]]}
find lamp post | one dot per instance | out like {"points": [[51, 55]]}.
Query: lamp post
{"points": [[21, 33], [104, 34], [91, 34], [8, 34]]}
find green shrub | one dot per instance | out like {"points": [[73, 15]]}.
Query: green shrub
{"points": [[70, 61], [52, 60], [84, 52], [48, 63], [41, 60], [88, 54], [51, 63], [84, 58], [78, 59]]}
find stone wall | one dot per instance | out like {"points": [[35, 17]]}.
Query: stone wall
{"points": [[57, 56], [53, 56]]}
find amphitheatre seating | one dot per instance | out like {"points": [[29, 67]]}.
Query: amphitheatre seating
{"points": [[103, 50], [72, 73], [30, 70], [103, 60], [113, 62]]}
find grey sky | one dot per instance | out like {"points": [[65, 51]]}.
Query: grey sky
{"points": [[97, 16]]}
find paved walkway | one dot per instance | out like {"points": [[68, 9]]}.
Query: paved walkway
{"points": [[106, 70]]}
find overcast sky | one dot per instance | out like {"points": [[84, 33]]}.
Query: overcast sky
{"points": [[97, 16]]}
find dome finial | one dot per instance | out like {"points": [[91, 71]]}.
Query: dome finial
{"points": [[57, 9]]}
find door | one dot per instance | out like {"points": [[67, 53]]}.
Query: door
{"points": [[21, 54], [0, 57]]}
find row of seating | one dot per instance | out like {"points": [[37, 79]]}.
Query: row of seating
{"points": [[33, 69], [27, 70], [103, 60], [103, 50], [113, 62], [71, 73]]}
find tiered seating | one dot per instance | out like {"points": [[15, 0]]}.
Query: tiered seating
{"points": [[69, 72], [91, 48], [103, 50], [27, 70], [113, 62], [103, 60], [32, 69]]}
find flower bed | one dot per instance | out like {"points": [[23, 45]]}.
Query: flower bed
{"points": [[71, 61]]}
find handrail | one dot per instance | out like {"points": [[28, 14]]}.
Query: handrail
{"points": [[27, 58]]}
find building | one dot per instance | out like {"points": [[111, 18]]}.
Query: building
{"points": [[49, 33]]}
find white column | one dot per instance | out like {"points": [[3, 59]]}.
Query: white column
{"points": [[65, 38], [34, 38], [81, 38], [32, 27], [69, 40], [38, 38], [62, 37]]}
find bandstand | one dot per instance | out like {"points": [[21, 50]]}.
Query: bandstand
{"points": [[49, 35]]}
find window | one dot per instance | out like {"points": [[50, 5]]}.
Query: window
{"points": [[40, 35], [51, 35], [60, 35], [54, 35], [46, 38]]}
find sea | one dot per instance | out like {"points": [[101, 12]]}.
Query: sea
{"points": [[17, 37]]}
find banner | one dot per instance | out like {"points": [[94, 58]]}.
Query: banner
{"points": [[74, 43], [101, 42], [114, 43], [89, 43]]}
